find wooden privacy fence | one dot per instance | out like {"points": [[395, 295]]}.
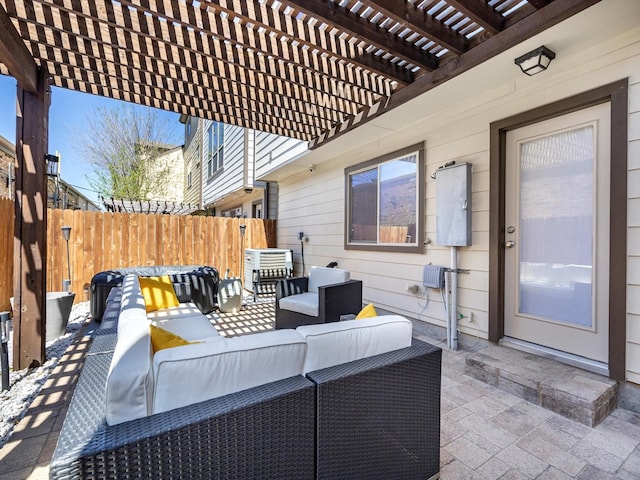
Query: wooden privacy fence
{"points": [[102, 241], [388, 234]]}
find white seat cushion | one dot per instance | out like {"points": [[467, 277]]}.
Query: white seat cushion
{"points": [[305, 303], [330, 344], [320, 276], [197, 372], [192, 329]]}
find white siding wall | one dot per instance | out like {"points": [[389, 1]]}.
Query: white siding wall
{"points": [[231, 177], [633, 239], [455, 128], [192, 161], [273, 151]]}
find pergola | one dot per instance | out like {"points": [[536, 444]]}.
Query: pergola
{"points": [[312, 70]]}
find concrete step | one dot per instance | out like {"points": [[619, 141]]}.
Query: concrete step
{"points": [[569, 391]]}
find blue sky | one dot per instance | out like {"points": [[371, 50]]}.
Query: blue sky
{"points": [[67, 114]]}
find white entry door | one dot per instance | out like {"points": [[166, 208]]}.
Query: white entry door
{"points": [[557, 233]]}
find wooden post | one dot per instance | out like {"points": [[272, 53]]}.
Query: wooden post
{"points": [[30, 232]]}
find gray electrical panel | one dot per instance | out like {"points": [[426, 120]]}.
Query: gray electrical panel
{"points": [[453, 205]]}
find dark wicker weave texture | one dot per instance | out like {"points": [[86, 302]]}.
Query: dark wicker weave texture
{"points": [[264, 432], [379, 418]]}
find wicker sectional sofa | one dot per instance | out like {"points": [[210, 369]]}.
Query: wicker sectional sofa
{"points": [[193, 283], [349, 413]]}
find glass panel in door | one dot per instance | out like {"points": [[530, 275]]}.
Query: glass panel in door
{"points": [[556, 208]]}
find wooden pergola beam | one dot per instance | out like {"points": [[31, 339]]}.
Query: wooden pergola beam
{"points": [[538, 3], [334, 15], [15, 56], [30, 228], [415, 19], [480, 13]]}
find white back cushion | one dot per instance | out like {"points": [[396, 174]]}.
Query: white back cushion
{"points": [[330, 344], [129, 382], [320, 276], [198, 372]]}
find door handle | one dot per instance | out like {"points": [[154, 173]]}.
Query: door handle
{"points": [[509, 244]]}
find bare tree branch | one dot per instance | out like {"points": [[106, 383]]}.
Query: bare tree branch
{"points": [[126, 146]]}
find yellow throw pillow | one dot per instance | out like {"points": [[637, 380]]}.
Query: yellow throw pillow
{"points": [[367, 312], [161, 339], [158, 293]]}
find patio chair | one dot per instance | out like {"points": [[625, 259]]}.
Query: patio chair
{"points": [[323, 296]]}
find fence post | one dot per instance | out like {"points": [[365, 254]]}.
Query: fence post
{"points": [[4, 349]]}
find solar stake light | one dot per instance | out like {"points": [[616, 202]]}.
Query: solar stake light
{"points": [[66, 284]]}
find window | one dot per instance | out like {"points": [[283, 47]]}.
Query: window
{"points": [[385, 198], [215, 148]]}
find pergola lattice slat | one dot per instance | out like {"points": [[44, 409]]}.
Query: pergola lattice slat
{"points": [[312, 70]]}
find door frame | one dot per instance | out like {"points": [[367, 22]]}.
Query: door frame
{"points": [[617, 94]]}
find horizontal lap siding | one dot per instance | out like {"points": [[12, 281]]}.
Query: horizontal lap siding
{"points": [[633, 238], [193, 164], [272, 151], [230, 178]]}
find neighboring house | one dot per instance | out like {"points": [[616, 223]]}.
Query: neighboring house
{"points": [[59, 193], [167, 195], [171, 187], [64, 196], [555, 202], [170, 197], [230, 156], [7, 160], [192, 152]]}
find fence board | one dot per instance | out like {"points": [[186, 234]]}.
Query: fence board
{"points": [[92, 254], [102, 241], [104, 223], [116, 244]]}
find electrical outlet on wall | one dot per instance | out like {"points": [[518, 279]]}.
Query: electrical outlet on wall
{"points": [[412, 288]]}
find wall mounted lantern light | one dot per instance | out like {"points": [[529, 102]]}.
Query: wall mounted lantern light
{"points": [[535, 61]]}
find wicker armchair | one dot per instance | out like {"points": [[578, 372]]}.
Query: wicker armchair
{"points": [[327, 292]]}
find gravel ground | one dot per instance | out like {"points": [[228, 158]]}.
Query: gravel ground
{"points": [[24, 385]]}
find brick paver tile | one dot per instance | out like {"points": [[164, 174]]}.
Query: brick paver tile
{"points": [[552, 454], [468, 452], [596, 457], [493, 468], [498, 436], [524, 462]]}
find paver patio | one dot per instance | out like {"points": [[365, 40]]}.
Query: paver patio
{"points": [[486, 433]]}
